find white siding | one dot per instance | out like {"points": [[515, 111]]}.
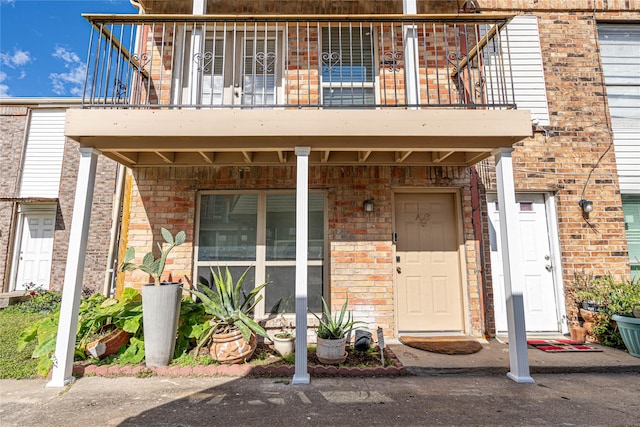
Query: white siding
{"points": [[43, 155], [620, 51], [521, 42]]}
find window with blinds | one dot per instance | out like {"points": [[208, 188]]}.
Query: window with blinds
{"points": [[347, 66]]}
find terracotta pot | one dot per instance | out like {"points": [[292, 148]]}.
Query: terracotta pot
{"points": [[578, 334], [109, 344], [231, 347], [587, 315]]}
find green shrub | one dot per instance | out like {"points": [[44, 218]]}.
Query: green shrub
{"points": [[616, 297], [40, 301]]}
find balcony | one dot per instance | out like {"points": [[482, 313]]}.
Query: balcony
{"points": [[437, 85]]}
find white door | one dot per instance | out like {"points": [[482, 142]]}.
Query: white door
{"points": [[428, 263], [36, 247], [539, 290]]}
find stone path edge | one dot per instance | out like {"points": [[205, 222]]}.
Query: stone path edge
{"points": [[239, 370]]}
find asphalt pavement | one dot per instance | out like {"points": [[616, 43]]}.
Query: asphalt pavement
{"points": [[599, 388], [555, 399]]}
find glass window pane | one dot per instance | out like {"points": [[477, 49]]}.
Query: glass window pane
{"points": [[347, 96], [631, 210], [281, 290], [281, 227], [206, 278], [228, 227]]}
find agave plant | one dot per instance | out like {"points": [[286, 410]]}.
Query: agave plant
{"points": [[337, 326], [230, 307]]}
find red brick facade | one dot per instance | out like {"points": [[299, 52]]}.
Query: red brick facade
{"points": [[572, 154], [360, 247], [14, 119]]}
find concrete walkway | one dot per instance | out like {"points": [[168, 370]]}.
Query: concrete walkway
{"points": [[494, 359]]}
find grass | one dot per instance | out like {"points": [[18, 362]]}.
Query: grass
{"points": [[13, 363]]}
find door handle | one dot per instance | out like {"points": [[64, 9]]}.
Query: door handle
{"points": [[399, 270], [549, 267], [236, 90]]}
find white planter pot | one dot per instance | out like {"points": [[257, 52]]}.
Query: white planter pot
{"points": [[160, 316], [284, 346], [331, 351]]}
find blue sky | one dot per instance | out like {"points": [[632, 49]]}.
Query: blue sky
{"points": [[43, 45]]}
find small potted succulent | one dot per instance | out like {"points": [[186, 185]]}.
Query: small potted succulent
{"points": [[332, 334], [160, 301]]}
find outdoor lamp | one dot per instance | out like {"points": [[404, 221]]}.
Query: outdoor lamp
{"points": [[586, 205], [368, 205]]}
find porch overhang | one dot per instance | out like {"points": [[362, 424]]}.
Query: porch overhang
{"points": [[154, 138]]}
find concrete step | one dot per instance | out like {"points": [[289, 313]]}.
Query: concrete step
{"points": [[11, 298]]}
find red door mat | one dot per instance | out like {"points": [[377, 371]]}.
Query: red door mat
{"points": [[560, 346]]}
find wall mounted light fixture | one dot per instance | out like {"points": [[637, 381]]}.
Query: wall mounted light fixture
{"points": [[586, 205], [368, 205]]}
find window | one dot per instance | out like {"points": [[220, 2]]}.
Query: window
{"points": [[631, 210], [347, 67], [257, 230], [620, 53], [232, 68]]}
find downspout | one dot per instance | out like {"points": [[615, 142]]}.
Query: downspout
{"points": [[476, 219], [116, 215]]}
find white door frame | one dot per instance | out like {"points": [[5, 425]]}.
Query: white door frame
{"points": [[25, 209], [554, 248], [462, 259]]}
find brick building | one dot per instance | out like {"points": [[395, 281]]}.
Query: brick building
{"points": [[404, 130], [36, 203]]}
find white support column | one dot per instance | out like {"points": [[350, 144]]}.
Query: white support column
{"points": [[68, 323], [511, 243], [409, 7], [411, 69], [199, 8], [301, 376]]}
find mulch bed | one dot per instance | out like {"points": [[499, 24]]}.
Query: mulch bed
{"points": [[357, 365]]}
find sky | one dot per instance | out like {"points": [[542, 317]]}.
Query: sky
{"points": [[43, 45]]}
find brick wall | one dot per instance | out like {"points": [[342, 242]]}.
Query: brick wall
{"points": [[13, 121], [359, 244], [303, 6], [99, 228], [560, 158]]}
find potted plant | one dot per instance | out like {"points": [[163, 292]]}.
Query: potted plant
{"points": [[592, 294], [160, 301], [231, 331], [625, 303], [284, 341], [332, 334]]}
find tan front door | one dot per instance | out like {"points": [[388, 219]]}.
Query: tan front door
{"points": [[428, 263]]}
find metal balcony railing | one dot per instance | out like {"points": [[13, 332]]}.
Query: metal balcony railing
{"points": [[373, 61]]}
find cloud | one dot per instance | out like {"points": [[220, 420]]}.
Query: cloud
{"points": [[7, 1], [4, 89], [18, 58], [70, 81]]}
